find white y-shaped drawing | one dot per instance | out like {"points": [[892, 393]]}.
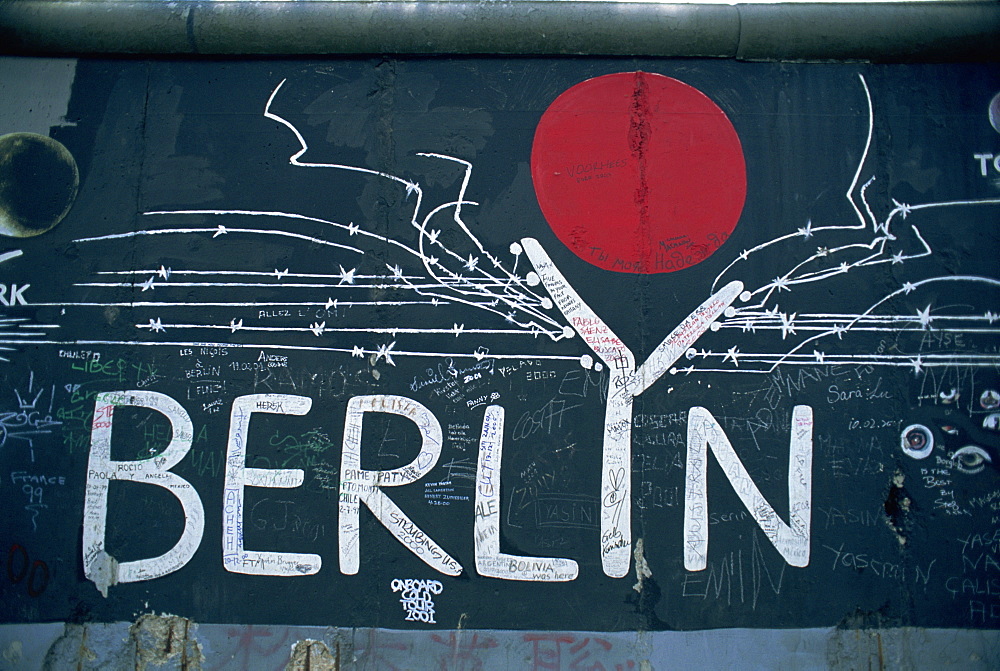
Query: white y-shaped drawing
{"points": [[626, 383]]}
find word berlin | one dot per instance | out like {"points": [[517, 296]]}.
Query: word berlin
{"points": [[360, 486]]}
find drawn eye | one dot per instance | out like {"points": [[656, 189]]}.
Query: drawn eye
{"points": [[970, 459], [949, 396], [989, 399], [992, 421], [917, 441]]}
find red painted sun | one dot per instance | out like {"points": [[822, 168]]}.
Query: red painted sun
{"points": [[637, 172]]}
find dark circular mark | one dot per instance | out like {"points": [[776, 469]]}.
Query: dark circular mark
{"points": [[38, 184]]}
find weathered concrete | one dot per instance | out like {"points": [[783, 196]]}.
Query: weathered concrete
{"points": [[171, 642]]}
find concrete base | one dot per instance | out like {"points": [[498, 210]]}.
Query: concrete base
{"points": [[170, 642]]}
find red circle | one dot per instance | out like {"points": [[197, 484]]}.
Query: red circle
{"points": [[637, 172]]}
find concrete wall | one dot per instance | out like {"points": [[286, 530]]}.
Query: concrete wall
{"points": [[170, 642], [401, 267]]}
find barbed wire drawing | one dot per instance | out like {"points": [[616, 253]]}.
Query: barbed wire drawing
{"points": [[481, 299]]}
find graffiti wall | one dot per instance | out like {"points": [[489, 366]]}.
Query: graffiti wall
{"points": [[504, 344]]}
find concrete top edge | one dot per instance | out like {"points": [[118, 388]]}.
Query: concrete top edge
{"points": [[822, 31]]}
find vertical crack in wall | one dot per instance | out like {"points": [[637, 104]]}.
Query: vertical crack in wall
{"points": [[641, 566], [639, 132], [159, 639], [312, 655], [639, 135], [897, 507], [85, 654]]}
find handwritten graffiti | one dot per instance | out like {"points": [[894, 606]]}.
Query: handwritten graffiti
{"points": [[34, 574], [555, 652], [439, 389], [417, 598], [463, 651], [32, 417]]}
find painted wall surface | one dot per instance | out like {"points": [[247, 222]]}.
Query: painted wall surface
{"points": [[536, 345]]}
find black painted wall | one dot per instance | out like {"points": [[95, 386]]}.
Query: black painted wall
{"points": [[875, 260]]}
